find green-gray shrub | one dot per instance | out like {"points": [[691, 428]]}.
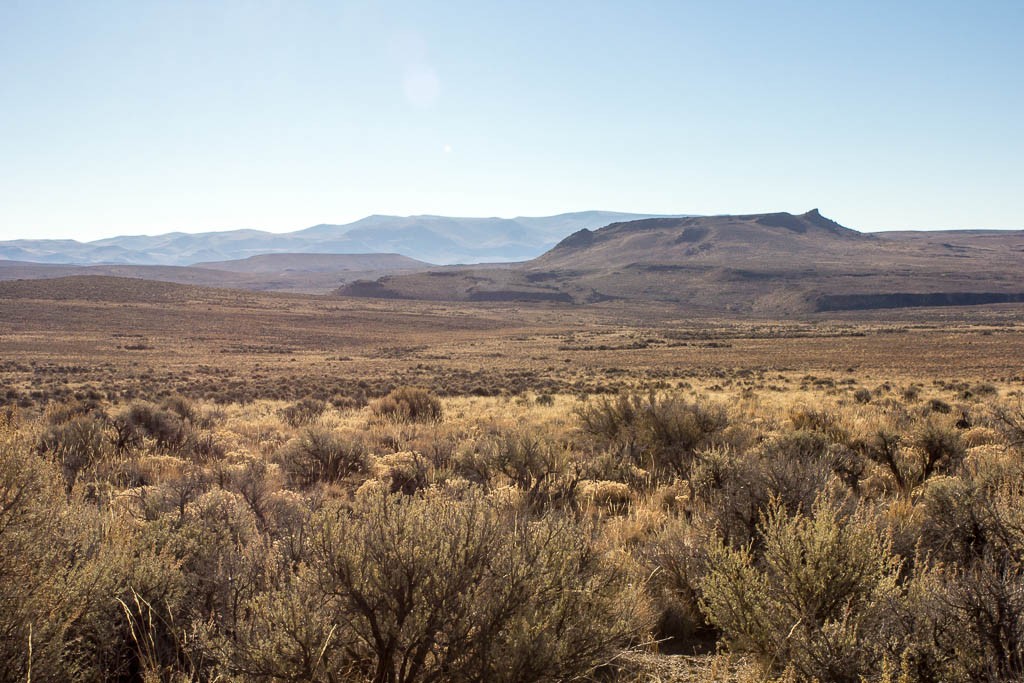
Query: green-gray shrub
{"points": [[660, 433], [421, 588], [321, 455], [304, 412], [409, 404], [816, 598]]}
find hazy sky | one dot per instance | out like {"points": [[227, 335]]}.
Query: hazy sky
{"points": [[144, 116]]}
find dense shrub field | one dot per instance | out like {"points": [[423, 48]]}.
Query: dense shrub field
{"points": [[863, 534]]}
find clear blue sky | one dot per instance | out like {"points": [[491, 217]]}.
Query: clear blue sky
{"points": [[147, 116]]}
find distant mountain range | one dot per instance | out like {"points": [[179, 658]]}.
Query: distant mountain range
{"points": [[774, 263], [771, 264], [434, 239]]}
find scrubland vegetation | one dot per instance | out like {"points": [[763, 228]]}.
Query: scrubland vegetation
{"points": [[243, 487], [839, 532]]}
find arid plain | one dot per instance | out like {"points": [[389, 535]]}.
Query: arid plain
{"points": [[221, 484], [123, 335]]}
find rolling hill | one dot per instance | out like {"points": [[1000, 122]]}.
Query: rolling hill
{"points": [[436, 239], [775, 263], [304, 273]]}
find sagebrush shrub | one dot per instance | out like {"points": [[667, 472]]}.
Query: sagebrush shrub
{"points": [[63, 567], [182, 407], [910, 456], [168, 429], [532, 462], [729, 495], [795, 467], [961, 624], [613, 495], [77, 444], [941, 447], [1010, 421], [32, 599], [813, 600], [409, 403], [822, 421], [673, 563], [661, 433], [224, 556], [304, 412], [422, 588], [403, 472], [320, 455]]}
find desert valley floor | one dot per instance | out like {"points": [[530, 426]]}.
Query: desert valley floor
{"points": [[215, 484], [146, 337]]}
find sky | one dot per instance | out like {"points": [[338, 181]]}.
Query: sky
{"points": [[145, 116]]}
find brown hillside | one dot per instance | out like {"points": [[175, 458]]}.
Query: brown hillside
{"points": [[106, 289], [775, 263], [303, 273]]}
